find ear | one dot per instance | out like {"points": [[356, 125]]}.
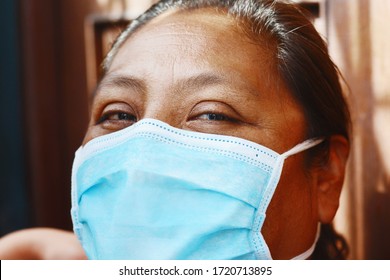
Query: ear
{"points": [[330, 178]]}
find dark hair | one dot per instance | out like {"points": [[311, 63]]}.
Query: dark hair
{"points": [[303, 63]]}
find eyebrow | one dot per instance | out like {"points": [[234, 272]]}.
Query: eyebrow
{"points": [[197, 82], [201, 81], [119, 81], [204, 80]]}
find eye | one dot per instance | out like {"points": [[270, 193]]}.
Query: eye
{"points": [[214, 117], [212, 114], [117, 116]]}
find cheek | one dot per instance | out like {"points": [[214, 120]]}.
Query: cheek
{"points": [[92, 133], [290, 212]]}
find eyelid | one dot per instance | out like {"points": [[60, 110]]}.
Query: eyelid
{"points": [[214, 107]]}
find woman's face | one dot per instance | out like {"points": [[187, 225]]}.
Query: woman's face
{"points": [[197, 71]]}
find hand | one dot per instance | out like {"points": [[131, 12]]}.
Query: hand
{"points": [[41, 244]]}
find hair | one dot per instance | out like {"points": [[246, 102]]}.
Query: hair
{"points": [[303, 62]]}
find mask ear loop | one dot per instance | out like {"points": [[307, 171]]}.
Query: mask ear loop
{"points": [[295, 150], [305, 145], [305, 255], [261, 249]]}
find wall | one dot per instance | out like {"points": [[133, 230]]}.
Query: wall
{"points": [[359, 42], [13, 190]]}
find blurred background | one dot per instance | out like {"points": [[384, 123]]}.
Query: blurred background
{"points": [[50, 52]]}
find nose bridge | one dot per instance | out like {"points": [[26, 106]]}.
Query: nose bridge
{"points": [[164, 105]]}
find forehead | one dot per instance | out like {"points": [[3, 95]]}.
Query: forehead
{"points": [[196, 39]]}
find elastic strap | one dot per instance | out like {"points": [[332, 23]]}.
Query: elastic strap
{"points": [[305, 255], [302, 147]]}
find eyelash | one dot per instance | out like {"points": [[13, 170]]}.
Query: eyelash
{"points": [[114, 119], [122, 116], [125, 117], [217, 117]]}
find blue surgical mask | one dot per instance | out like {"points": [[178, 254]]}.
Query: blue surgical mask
{"points": [[152, 191]]}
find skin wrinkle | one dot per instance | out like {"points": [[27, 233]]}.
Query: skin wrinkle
{"points": [[198, 82]]}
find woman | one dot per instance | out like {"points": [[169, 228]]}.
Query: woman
{"points": [[218, 131]]}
